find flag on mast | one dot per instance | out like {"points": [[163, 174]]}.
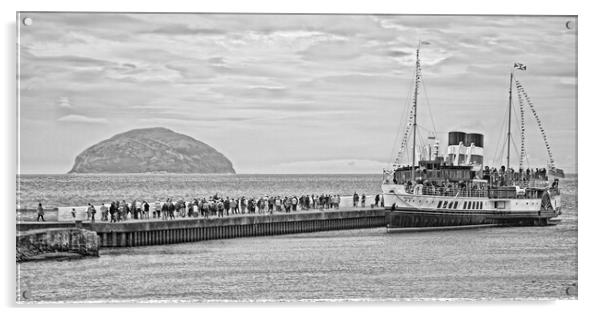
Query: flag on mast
{"points": [[520, 66]]}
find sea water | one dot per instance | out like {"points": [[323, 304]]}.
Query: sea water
{"points": [[501, 262]]}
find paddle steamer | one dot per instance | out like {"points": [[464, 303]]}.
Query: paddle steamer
{"points": [[455, 189]]}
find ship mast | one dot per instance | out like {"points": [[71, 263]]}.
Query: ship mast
{"points": [[509, 118], [415, 105]]}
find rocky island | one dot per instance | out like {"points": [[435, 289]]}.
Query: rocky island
{"points": [[151, 150]]}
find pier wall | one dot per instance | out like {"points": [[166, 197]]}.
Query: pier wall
{"points": [[55, 243], [146, 233]]}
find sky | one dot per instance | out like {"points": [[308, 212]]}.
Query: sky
{"points": [[291, 93]]}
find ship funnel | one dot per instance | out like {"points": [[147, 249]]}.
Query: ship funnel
{"points": [[465, 148]]}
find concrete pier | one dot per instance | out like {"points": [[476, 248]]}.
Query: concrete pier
{"points": [[158, 232], [56, 243]]}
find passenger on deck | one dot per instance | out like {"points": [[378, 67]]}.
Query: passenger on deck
{"points": [[40, 210]]}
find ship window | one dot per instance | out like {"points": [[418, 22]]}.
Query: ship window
{"points": [[456, 204], [445, 204], [469, 205], [464, 205], [439, 204], [481, 205], [500, 204]]}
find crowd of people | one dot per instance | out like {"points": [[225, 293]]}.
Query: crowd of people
{"points": [[507, 176], [215, 206]]}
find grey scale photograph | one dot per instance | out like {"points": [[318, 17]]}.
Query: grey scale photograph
{"points": [[246, 157]]}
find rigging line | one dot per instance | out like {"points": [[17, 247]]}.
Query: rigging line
{"points": [[428, 131], [514, 144], [405, 114], [397, 140], [516, 118], [527, 160], [407, 129], [428, 104], [402, 128], [501, 135], [419, 139], [539, 123], [500, 153], [522, 128]]}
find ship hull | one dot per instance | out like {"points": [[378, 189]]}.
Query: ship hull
{"points": [[405, 210], [412, 218]]}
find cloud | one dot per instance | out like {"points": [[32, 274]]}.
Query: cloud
{"points": [[326, 81], [76, 118], [178, 29], [64, 102]]}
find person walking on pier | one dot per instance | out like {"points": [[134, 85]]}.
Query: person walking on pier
{"points": [[233, 206], [205, 208], [220, 208], [126, 211], [88, 212], [287, 204], [91, 212], [294, 202], [363, 200], [227, 206], [164, 210], [243, 205], [134, 209], [112, 210], [171, 209], [40, 210], [376, 201], [278, 204], [104, 213], [252, 206], [157, 211], [190, 209], [146, 210], [356, 199]]}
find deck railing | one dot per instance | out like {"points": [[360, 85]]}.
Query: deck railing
{"points": [[464, 192], [498, 193]]}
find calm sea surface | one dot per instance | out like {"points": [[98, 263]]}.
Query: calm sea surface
{"points": [[519, 262], [73, 190]]}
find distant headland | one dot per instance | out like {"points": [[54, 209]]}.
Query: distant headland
{"points": [[151, 150]]}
